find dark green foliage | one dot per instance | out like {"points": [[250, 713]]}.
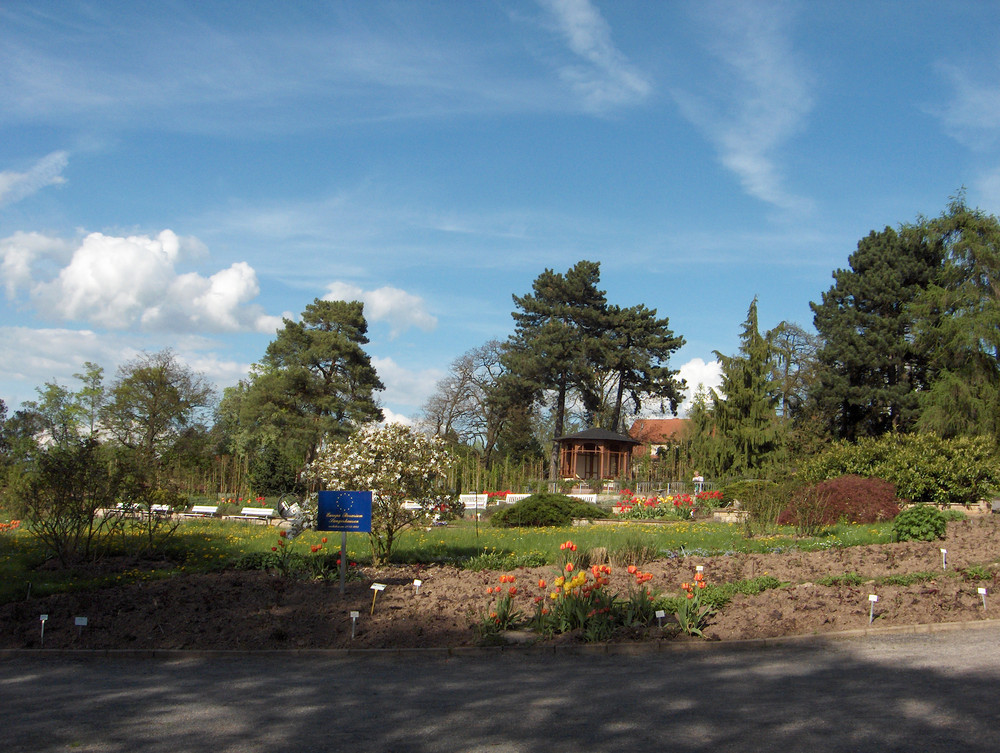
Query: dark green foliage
{"points": [[869, 367], [919, 523], [314, 381], [744, 419], [636, 348], [957, 321], [556, 342], [923, 467], [848, 499], [545, 509]]}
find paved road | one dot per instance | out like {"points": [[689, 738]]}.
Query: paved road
{"points": [[924, 692]]}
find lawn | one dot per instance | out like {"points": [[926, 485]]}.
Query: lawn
{"points": [[211, 545]]}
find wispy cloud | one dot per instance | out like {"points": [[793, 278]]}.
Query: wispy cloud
{"points": [[190, 74], [15, 186], [972, 116], [605, 78], [757, 102]]}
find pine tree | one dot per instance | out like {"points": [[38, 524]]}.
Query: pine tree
{"points": [[870, 370], [556, 343]]}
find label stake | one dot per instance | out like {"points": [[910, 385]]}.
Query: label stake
{"points": [[944, 559], [376, 587], [416, 587], [982, 593], [872, 598], [660, 614], [43, 618], [354, 621]]}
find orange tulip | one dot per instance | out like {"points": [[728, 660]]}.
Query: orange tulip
{"points": [[569, 567]]}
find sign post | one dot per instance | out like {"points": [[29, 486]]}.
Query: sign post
{"points": [[344, 511]]}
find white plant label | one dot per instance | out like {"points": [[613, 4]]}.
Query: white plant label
{"points": [[872, 597], [378, 586], [355, 615], [81, 621], [418, 583], [982, 591], [660, 614], [43, 617], [699, 569]]}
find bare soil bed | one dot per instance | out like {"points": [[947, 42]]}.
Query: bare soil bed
{"points": [[256, 610]]}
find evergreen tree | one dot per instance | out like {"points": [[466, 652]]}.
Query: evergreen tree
{"points": [[745, 421], [957, 322], [870, 370], [314, 381], [636, 348], [556, 343]]}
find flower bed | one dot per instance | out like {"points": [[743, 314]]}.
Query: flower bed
{"points": [[665, 507]]}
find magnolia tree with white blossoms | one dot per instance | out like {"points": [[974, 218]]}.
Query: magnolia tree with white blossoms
{"points": [[398, 465]]}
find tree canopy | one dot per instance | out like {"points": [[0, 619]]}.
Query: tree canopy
{"points": [[314, 381], [869, 367]]}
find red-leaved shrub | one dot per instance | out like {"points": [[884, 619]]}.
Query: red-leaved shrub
{"points": [[851, 499]]}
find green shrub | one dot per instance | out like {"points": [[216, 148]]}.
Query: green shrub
{"points": [[545, 509], [761, 499], [919, 523], [923, 467]]}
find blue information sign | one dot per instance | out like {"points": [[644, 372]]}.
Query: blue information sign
{"points": [[345, 511]]}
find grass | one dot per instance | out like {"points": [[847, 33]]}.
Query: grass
{"points": [[212, 545]]}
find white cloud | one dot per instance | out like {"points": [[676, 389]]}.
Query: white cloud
{"points": [[405, 387], [399, 309], [699, 374], [395, 418], [607, 78], [760, 102], [46, 172], [125, 282], [20, 253]]}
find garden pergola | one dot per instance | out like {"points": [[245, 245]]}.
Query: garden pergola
{"points": [[595, 454]]}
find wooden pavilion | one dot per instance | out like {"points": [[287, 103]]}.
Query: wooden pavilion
{"points": [[595, 454]]}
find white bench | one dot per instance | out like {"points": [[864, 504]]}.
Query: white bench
{"points": [[201, 511], [473, 501], [161, 511], [512, 498], [261, 514]]}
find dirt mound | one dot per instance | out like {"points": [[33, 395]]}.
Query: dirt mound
{"points": [[254, 610]]}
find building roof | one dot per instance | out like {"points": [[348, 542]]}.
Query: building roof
{"points": [[599, 435], [658, 430]]}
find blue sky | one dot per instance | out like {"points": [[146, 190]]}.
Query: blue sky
{"points": [[184, 174]]}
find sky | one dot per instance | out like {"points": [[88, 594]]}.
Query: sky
{"points": [[185, 174]]}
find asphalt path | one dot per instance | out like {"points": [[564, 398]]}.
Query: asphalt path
{"points": [[936, 691]]}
